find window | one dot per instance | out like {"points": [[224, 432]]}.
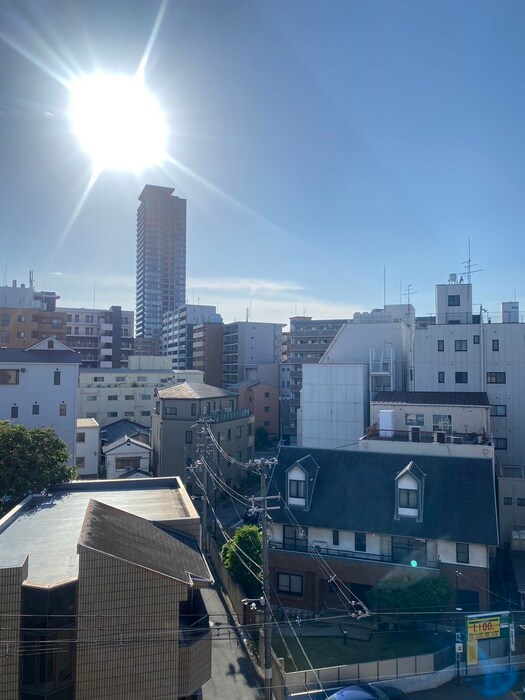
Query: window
{"points": [[113, 397], [141, 379], [495, 345], [91, 414], [129, 414], [56, 323], [292, 584], [229, 433], [335, 538], [460, 346], [408, 498], [146, 397], [91, 397], [120, 379], [360, 542], [81, 437], [170, 411], [62, 409], [295, 538], [14, 411], [475, 340], [81, 462], [296, 488], [417, 419], [189, 437], [520, 502], [112, 414], [461, 377], [5, 319], [21, 319], [441, 345], [267, 409], [498, 410], [56, 377], [500, 443], [9, 376], [128, 397], [266, 394], [454, 300], [193, 409], [34, 334], [20, 334], [238, 431], [127, 463], [496, 378], [266, 423], [36, 409], [507, 500], [4, 336], [441, 377], [50, 344], [462, 553], [98, 379], [145, 413], [442, 422]]}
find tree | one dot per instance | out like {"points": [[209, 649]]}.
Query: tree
{"points": [[30, 460], [261, 438], [242, 556], [425, 594]]}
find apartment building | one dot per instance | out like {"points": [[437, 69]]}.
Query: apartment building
{"points": [[178, 421], [39, 387], [208, 351], [111, 394], [178, 331], [100, 593], [247, 344], [262, 399], [306, 343], [465, 351], [104, 338]]}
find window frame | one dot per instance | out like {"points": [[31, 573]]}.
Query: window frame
{"points": [[454, 300], [461, 345], [287, 582], [441, 377], [360, 542], [407, 498], [462, 553], [496, 377], [297, 488], [461, 378]]}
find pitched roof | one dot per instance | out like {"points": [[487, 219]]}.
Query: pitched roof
{"points": [[356, 491], [193, 390], [446, 398], [23, 357], [140, 542], [114, 431], [122, 441]]}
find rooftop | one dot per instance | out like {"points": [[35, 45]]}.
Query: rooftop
{"points": [[47, 528], [430, 398], [193, 390], [87, 423]]}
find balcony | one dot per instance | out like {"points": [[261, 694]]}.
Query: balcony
{"points": [[404, 559], [224, 416], [417, 435]]}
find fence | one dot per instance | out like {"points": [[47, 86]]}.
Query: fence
{"points": [[233, 590]]}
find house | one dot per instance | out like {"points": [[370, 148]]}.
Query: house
{"points": [[39, 387], [99, 593], [372, 516], [87, 448], [178, 421], [126, 455]]}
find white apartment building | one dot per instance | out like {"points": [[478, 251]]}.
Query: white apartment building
{"points": [[109, 395], [39, 387], [373, 353], [247, 344], [177, 331], [87, 448], [466, 351]]}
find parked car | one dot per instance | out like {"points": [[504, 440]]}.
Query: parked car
{"points": [[366, 691]]}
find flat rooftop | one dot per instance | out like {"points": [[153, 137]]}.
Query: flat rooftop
{"points": [[47, 528]]}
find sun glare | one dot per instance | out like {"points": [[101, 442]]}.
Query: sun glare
{"points": [[118, 122]]}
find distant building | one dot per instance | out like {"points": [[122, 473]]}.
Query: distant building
{"points": [[161, 258], [39, 387], [103, 337], [247, 344], [208, 351], [111, 394], [87, 448], [176, 430], [99, 593], [262, 400], [178, 331], [124, 456]]}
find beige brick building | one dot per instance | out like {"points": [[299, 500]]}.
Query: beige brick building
{"points": [[99, 594]]}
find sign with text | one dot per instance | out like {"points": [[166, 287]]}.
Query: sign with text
{"points": [[488, 626]]}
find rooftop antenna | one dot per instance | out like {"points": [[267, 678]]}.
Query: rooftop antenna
{"points": [[408, 292], [94, 287], [247, 315], [384, 286], [31, 280], [469, 265]]}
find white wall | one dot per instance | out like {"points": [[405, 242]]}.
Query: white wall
{"points": [[126, 450], [334, 405], [478, 554], [89, 450]]}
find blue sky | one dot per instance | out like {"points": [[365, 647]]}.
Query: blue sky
{"points": [[327, 141]]}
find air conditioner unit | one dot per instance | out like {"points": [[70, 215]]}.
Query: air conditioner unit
{"points": [[440, 436]]}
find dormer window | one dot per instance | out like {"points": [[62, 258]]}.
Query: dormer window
{"points": [[296, 486], [409, 491]]}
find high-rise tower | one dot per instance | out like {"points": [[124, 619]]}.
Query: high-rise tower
{"points": [[161, 258]]}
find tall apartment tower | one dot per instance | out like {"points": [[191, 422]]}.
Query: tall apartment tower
{"points": [[161, 259]]}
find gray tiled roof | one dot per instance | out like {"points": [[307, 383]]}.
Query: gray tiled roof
{"points": [[193, 390], [446, 398], [21, 356], [355, 491], [136, 540]]}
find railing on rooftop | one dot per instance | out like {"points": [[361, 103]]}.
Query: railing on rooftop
{"points": [[415, 434]]}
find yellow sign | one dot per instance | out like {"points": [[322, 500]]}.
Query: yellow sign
{"points": [[483, 627], [472, 652]]}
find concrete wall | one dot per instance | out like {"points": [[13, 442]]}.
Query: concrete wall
{"points": [[11, 578], [89, 450]]}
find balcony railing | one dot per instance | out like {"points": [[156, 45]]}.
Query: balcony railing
{"points": [[405, 560], [417, 435]]}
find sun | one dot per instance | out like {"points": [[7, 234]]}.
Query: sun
{"points": [[118, 122]]}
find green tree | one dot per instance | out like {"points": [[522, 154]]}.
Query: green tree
{"points": [[425, 594], [30, 460], [242, 556]]}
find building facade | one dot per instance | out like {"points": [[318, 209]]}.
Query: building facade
{"points": [[178, 332], [208, 351], [103, 337], [87, 456], [161, 258], [262, 400], [247, 344], [39, 388], [100, 593]]}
